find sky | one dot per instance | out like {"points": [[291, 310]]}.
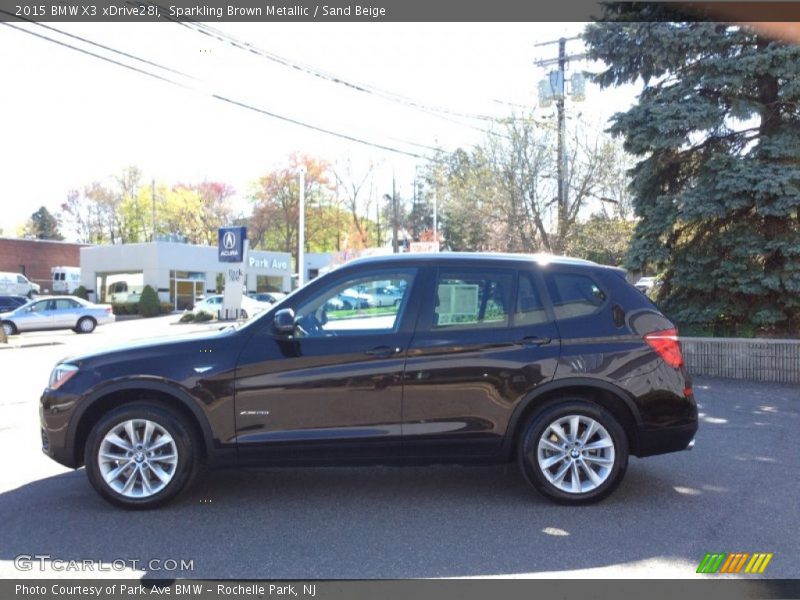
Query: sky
{"points": [[71, 119]]}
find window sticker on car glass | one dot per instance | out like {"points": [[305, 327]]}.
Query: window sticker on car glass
{"points": [[458, 303]]}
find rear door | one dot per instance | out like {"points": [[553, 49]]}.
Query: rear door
{"points": [[484, 340]]}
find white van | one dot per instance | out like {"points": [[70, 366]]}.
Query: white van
{"points": [[65, 279], [17, 284], [124, 289]]}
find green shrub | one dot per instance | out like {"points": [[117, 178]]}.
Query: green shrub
{"points": [[202, 317], [149, 304], [166, 308], [187, 317], [81, 292], [125, 309]]}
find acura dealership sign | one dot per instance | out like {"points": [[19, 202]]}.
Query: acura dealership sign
{"points": [[231, 244]]}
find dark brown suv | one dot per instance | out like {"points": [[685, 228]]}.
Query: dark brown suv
{"points": [[558, 364]]}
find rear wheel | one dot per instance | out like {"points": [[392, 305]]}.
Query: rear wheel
{"points": [[140, 456], [574, 452], [85, 325]]}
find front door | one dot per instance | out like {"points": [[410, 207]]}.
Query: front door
{"points": [[332, 389]]}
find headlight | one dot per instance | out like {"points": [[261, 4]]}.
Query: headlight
{"points": [[61, 374]]}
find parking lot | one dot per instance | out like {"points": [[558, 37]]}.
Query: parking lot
{"points": [[737, 491]]}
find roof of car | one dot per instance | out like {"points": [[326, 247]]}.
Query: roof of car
{"points": [[541, 258]]}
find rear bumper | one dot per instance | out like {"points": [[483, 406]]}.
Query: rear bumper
{"points": [[663, 440]]}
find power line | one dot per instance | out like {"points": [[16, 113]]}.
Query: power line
{"points": [[77, 37], [221, 97], [437, 111]]}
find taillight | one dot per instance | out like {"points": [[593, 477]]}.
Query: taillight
{"points": [[667, 346]]}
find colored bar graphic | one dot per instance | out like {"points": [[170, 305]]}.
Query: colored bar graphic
{"points": [[721, 562]]}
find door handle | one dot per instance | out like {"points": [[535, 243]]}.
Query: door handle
{"points": [[534, 340], [382, 351]]}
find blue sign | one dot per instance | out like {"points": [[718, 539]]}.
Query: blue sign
{"points": [[231, 244]]}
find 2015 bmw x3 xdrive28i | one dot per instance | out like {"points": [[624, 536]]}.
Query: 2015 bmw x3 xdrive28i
{"points": [[556, 363]]}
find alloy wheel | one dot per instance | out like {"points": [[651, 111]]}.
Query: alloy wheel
{"points": [[576, 454], [137, 458]]}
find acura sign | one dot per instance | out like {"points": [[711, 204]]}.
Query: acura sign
{"points": [[231, 244]]}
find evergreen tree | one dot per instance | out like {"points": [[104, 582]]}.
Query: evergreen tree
{"points": [[717, 133], [43, 226]]}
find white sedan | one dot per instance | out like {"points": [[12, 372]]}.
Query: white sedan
{"points": [[213, 304], [57, 312]]}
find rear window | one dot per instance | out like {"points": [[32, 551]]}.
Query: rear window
{"points": [[574, 295], [530, 309]]}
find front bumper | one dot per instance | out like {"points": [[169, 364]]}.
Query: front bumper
{"points": [[54, 417]]}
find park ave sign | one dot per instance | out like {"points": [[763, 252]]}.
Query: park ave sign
{"points": [[266, 263]]}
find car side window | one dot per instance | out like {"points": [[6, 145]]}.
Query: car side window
{"points": [[530, 308], [473, 298], [40, 306], [21, 279], [353, 306], [65, 303], [574, 295]]}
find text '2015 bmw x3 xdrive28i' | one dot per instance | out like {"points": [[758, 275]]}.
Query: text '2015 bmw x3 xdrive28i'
{"points": [[556, 363]]}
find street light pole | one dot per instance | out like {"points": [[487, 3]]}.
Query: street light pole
{"points": [[301, 231]]}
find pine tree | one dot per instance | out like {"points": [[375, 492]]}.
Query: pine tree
{"points": [[716, 130]]}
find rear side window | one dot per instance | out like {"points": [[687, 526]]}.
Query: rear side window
{"points": [[574, 295], [530, 309], [473, 298], [65, 303]]}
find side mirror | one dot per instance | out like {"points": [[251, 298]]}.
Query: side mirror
{"points": [[283, 322]]}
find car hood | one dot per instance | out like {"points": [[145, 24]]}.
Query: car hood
{"points": [[153, 346]]}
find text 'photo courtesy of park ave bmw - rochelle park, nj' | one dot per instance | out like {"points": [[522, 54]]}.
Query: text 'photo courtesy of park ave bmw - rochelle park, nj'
{"points": [[400, 299]]}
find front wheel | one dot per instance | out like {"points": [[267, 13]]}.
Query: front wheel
{"points": [[9, 328], [574, 452], [140, 456]]}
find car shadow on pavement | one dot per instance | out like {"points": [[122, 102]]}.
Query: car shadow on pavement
{"points": [[378, 522], [729, 494]]}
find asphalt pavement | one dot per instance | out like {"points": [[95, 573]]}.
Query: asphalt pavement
{"points": [[737, 491]]}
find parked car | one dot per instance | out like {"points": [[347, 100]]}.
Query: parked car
{"points": [[645, 284], [57, 312], [18, 285], [11, 302], [213, 304], [351, 301], [268, 297], [557, 364]]}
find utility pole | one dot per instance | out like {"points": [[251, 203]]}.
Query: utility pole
{"points": [[395, 241], [377, 213], [301, 231], [153, 195], [562, 131], [555, 87], [435, 215], [414, 215]]}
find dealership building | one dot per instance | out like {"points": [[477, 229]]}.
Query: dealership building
{"points": [[180, 273]]}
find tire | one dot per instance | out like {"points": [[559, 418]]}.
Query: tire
{"points": [[85, 325], [549, 461], [9, 328], [243, 314], [157, 479]]}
